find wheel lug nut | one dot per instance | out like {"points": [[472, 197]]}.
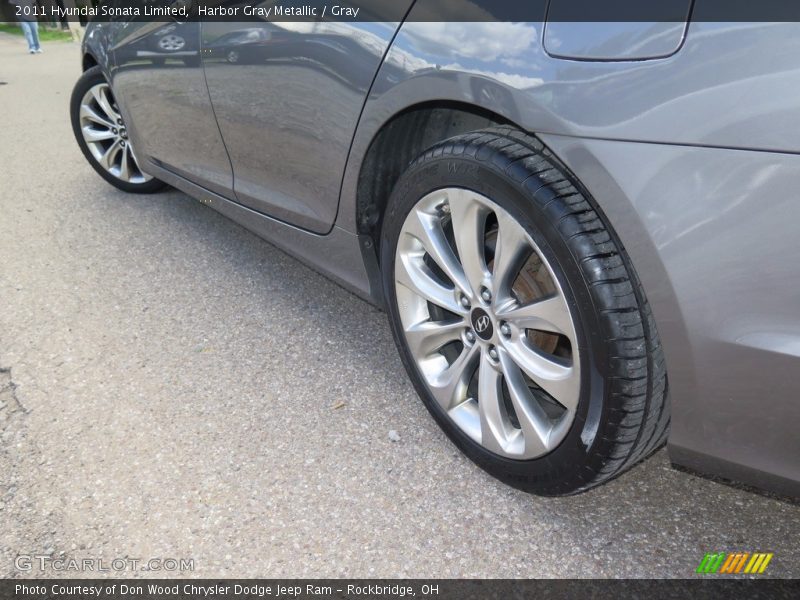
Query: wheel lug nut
{"points": [[486, 295], [114, 131], [470, 337], [505, 329], [119, 121], [464, 301], [122, 144], [493, 353]]}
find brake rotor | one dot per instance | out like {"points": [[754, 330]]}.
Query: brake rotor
{"points": [[533, 283]]}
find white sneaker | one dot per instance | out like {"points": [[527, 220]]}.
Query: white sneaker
{"points": [[31, 51], [38, 51]]}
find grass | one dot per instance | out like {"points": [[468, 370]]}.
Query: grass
{"points": [[45, 34]]}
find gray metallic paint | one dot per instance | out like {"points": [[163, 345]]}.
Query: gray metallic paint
{"points": [[325, 71], [712, 233], [169, 106], [692, 157]]}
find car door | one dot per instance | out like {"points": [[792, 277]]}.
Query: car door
{"points": [[287, 96], [159, 84]]}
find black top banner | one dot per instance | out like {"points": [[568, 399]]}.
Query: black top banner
{"points": [[597, 11]]}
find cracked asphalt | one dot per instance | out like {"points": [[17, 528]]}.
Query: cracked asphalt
{"points": [[173, 386]]}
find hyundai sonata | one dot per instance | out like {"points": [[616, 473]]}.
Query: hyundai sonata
{"points": [[584, 234]]}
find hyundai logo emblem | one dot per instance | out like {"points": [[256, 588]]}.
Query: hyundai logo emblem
{"points": [[482, 324]]}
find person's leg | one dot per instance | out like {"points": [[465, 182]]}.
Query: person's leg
{"points": [[28, 31], [35, 30]]}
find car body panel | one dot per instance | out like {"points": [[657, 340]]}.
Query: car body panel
{"points": [[302, 86], [165, 102], [693, 158], [336, 255], [712, 233], [732, 85]]}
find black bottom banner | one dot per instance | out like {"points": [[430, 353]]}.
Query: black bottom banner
{"points": [[440, 589]]}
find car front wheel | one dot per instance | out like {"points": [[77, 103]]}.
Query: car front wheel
{"points": [[103, 137], [519, 316]]}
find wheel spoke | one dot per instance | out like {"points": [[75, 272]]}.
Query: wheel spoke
{"points": [[532, 419], [427, 229], [429, 336], [134, 160], [125, 170], [87, 113], [414, 274], [450, 386], [550, 314], [494, 430], [135, 163], [512, 248], [557, 379], [90, 134], [100, 94], [469, 220], [110, 155]]}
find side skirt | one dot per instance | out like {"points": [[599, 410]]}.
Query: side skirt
{"points": [[337, 255]]}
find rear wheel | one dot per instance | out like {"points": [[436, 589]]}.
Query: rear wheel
{"points": [[103, 137], [519, 317]]}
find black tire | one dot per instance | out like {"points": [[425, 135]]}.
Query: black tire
{"points": [[623, 411], [89, 79]]}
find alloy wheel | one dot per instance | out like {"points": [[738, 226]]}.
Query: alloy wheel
{"points": [[487, 323], [171, 43], [106, 136]]}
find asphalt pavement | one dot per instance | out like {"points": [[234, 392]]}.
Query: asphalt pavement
{"points": [[175, 387]]}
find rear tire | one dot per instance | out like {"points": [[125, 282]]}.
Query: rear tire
{"points": [[609, 343], [102, 136]]}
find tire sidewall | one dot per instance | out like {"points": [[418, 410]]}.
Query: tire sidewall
{"points": [[562, 469]]}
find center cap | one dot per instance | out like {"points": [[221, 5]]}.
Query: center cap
{"points": [[482, 324]]}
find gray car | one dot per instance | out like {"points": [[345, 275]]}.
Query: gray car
{"points": [[585, 235]]}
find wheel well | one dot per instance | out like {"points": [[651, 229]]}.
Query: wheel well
{"points": [[399, 142], [88, 62]]}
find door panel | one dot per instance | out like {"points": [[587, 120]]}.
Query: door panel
{"points": [[161, 90], [287, 97]]}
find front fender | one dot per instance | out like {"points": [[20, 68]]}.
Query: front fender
{"points": [[96, 43]]}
